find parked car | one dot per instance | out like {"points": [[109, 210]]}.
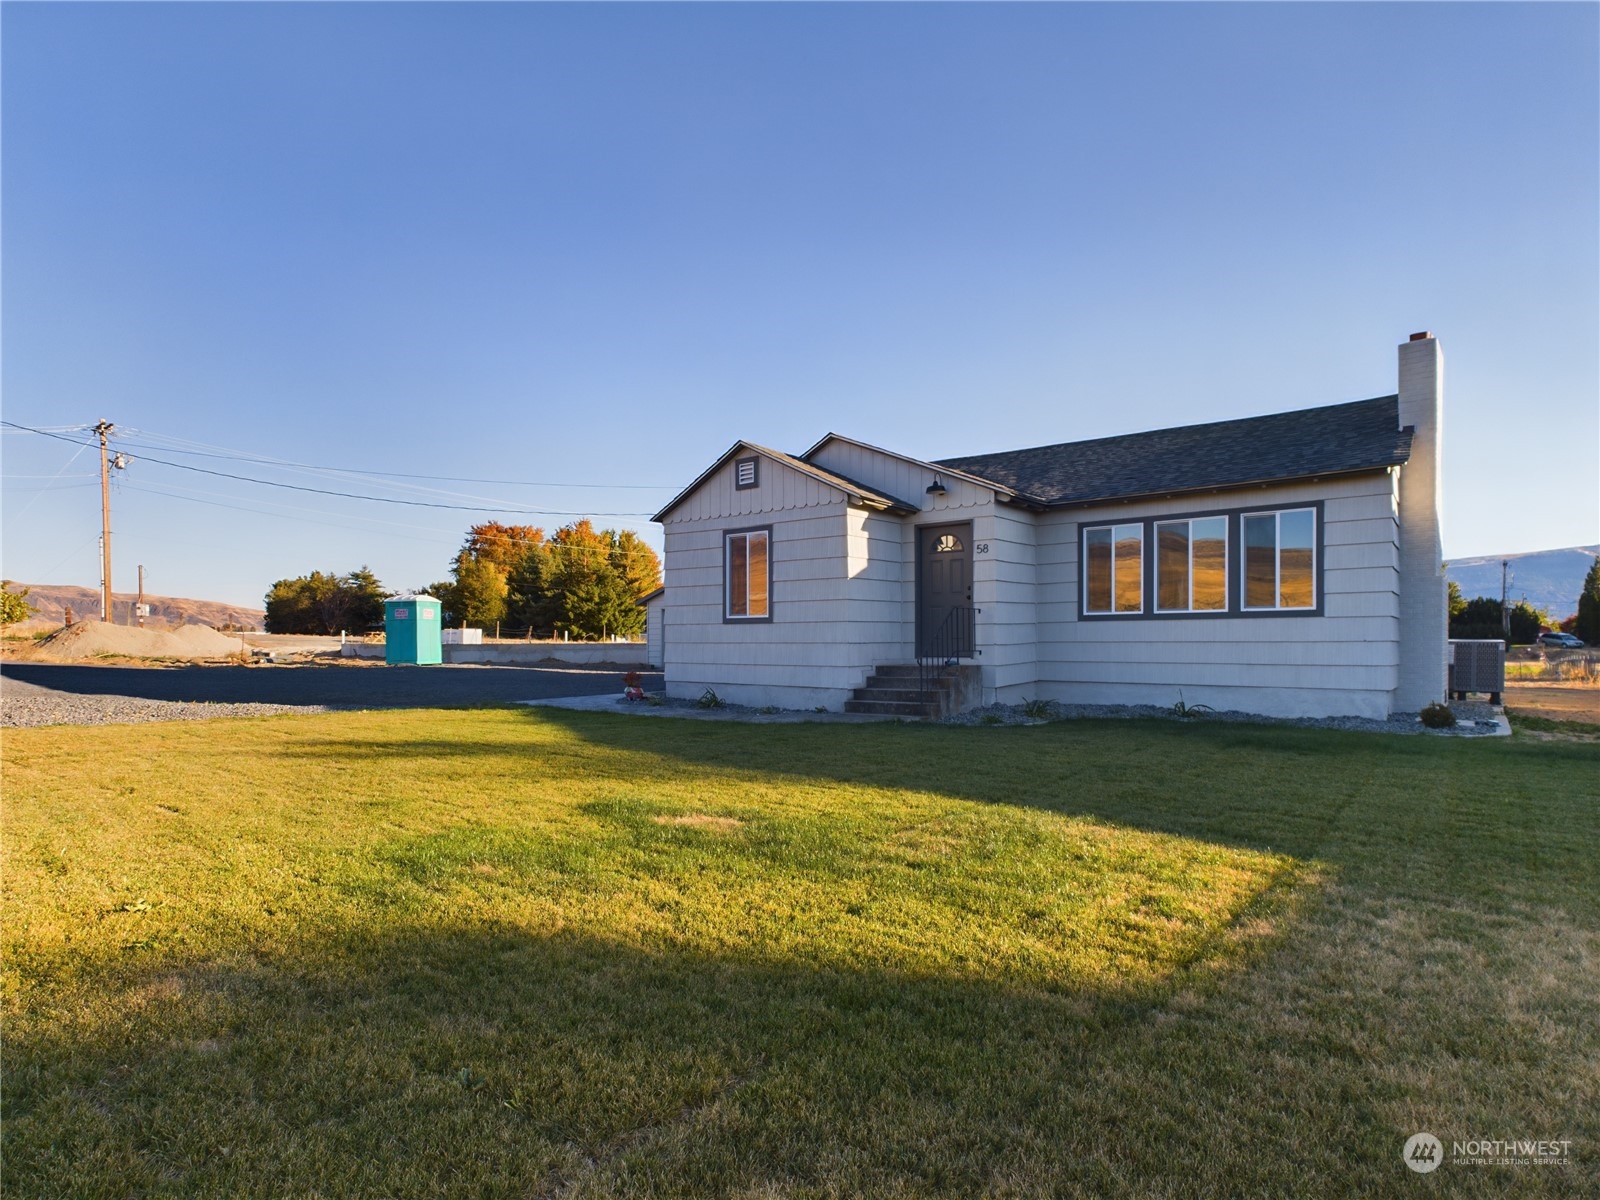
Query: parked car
{"points": [[1559, 641]]}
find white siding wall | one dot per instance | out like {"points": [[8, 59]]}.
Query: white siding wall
{"points": [[1002, 579], [805, 655], [1343, 662], [904, 479], [1005, 588], [881, 579], [654, 630]]}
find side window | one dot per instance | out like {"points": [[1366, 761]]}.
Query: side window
{"points": [[1113, 569], [1279, 566], [747, 575]]}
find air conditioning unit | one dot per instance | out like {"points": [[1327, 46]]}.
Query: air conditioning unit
{"points": [[1478, 666]]}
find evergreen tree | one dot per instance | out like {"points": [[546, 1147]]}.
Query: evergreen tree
{"points": [[366, 595], [326, 603], [527, 600], [1588, 627]]}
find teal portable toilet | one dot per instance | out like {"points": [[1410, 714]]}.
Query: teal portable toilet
{"points": [[411, 627]]}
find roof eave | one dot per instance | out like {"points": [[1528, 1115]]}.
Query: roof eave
{"points": [[1214, 488]]}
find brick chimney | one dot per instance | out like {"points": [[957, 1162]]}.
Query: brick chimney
{"points": [[1424, 608]]}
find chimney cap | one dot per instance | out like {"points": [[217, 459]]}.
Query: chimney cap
{"points": [[1423, 336]]}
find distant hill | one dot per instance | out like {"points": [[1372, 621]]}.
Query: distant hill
{"points": [[1550, 579], [166, 612]]}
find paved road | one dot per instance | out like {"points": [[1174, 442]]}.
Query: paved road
{"points": [[342, 687]]}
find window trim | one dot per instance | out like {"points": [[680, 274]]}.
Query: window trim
{"points": [[1144, 572], [1277, 567], [1155, 583], [1235, 518], [727, 579]]}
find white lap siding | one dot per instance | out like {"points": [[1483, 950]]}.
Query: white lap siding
{"points": [[881, 617], [1004, 589], [803, 656], [1344, 661], [1002, 562]]}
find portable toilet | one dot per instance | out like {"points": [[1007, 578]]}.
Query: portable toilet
{"points": [[411, 627]]}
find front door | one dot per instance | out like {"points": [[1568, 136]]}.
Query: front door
{"points": [[944, 587]]}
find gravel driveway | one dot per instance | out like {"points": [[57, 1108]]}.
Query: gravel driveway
{"points": [[63, 694]]}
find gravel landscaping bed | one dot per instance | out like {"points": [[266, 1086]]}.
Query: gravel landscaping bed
{"points": [[1473, 719], [39, 707]]}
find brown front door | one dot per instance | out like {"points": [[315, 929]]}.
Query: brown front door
{"points": [[944, 586]]}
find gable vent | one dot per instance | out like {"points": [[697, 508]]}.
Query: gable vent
{"points": [[744, 473]]}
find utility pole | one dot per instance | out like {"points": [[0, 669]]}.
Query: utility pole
{"points": [[103, 429], [1505, 613], [138, 607]]}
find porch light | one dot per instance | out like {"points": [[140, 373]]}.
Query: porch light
{"points": [[936, 488]]}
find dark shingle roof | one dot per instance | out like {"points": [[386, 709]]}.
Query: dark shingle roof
{"points": [[1338, 439]]}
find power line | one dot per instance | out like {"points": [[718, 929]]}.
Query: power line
{"points": [[296, 487], [289, 516], [268, 460]]}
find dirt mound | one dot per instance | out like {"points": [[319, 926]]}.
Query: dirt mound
{"points": [[89, 638]]}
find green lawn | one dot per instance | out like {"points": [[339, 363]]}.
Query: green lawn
{"points": [[521, 953]]}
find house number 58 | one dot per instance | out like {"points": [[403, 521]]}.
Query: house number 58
{"points": [[980, 548]]}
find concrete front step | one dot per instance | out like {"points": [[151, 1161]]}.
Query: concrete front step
{"points": [[893, 708], [896, 689], [904, 695]]}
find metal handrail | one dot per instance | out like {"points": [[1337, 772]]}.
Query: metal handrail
{"points": [[950, 643]]}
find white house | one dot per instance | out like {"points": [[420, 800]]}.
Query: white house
{"points": [[1287, 564]]}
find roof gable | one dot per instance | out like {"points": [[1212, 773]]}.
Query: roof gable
{"points": [[1335, 440], [854, 492], [936, 468]]}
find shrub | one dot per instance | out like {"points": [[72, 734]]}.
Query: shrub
{"points": [[1041, 710], [1438, 716], [14, 606], [710, 699]]}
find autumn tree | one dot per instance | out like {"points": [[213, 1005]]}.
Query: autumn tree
{"points": [[583, 582], [476, 596], [502, 546], [476, 593]]}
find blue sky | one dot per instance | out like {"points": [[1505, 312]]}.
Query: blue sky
{"points": [[593, 245]]}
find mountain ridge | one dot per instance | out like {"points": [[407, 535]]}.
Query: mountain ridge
{"points": [[51, 600], [1547, 579]]}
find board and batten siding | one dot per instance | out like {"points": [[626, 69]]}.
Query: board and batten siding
{"points": [[1342, 662], [805, 655]]}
